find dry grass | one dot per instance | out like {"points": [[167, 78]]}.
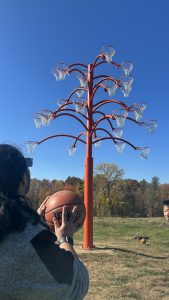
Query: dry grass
{"points": [[121, 267]]}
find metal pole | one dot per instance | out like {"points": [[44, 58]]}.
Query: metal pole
{"points": [[88, 176]]}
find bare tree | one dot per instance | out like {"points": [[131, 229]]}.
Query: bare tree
{"points": [[111, 172]]}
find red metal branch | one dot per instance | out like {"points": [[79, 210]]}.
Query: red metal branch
{"points": [[102, 129], [96, 88], [115, 138], [77, 70], [101, 139], [58, 135], [105, 79], [95, 61], [100, 76], [99, 104], [74, 145], [107, 117], [133, 120], [70, 115], [78, 64], [74, 91], [98, 84], [112, 62], [67, 109]]}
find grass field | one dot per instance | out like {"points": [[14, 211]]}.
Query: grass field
{"points": [[120, 267]]}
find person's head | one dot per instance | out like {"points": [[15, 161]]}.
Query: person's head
{"points": [[166, 209], [14, 184], [14, 172]]}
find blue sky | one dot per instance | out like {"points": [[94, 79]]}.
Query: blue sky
{"points": [[35, 35]]}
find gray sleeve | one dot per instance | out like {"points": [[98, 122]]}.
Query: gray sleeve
{"points": [[80, 284], [69, 275], [33, 267]]}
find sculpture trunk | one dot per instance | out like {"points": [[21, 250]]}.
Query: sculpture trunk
{"points": [[88, 183]]}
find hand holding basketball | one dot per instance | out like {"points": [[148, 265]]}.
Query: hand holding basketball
{"points": [[42, 207], [68, 226], [53, 205]]}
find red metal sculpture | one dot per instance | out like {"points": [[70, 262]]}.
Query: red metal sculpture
{"points": [[88, 110]]}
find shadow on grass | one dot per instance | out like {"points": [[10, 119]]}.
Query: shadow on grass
{"points": [[130, 251]]}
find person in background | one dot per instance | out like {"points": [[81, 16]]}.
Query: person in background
{"points": [[166, 209], [35, 263]]}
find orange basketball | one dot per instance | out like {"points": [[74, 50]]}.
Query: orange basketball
{"points": [[143, 241], [55, 203]]}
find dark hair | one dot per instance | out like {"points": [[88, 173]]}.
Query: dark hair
{"points": [[14, 209], [165, 202]]}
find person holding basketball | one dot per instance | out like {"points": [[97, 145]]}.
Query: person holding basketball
{"points": [[35, 263]]}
